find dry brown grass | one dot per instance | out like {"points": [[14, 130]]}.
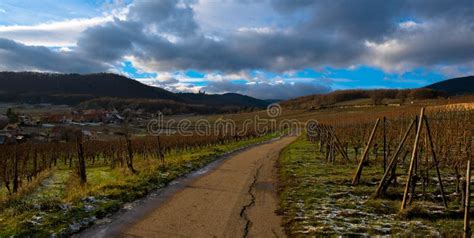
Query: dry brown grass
{"points": [[454, 107]]}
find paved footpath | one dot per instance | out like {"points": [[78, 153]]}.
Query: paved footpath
{"points": [[237, 198]]}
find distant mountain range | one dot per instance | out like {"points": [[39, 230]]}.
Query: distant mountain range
{"points": [[345, 98], [74, 89], [112, 90], [455, 86]]}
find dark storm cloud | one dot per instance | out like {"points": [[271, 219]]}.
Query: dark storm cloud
{"points": [[164, 36], [460, 9], [439, 42], [16, 56], [445, 35], [334, 33], [110, 42], [360, 20], [275, 51], [163, 83], [290, 6], [165, 16]]}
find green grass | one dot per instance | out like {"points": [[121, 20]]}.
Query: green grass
{"points": [[316, 198], [59, 206]]}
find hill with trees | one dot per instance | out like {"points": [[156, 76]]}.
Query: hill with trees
{"points": [[455, 86], [361, 97], [358, 97], [111, 89]]}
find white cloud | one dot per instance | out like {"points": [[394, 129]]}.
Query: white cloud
{"points": [[2, 10], [382, 54], [259, 30], [227, 76], [152, 66], [409, 25], [58, 33], [52, 34], [171, 82], [452, 71], [65, 49]]}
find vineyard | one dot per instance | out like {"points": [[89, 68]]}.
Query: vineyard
{"points": [[61, 187], [23, 162], [347, 175], [389, 141], [382, 173]]}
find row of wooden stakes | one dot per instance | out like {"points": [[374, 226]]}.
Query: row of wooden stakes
{"points": [[328, 139]]}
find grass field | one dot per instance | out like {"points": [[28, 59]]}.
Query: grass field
{"points": [[317, 199]]}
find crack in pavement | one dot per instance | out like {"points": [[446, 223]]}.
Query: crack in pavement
{"points": [[243, 213], [275, 233]]}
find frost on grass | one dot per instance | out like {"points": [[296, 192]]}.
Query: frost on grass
{"points": [[317, 199]]}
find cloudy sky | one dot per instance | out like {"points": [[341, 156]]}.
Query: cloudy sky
{"points": [[263, 48]]}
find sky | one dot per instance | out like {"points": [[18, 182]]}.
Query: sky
{"points": [[269, 49]]}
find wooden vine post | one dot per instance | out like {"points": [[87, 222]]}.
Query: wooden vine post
{"points": [[328, 139], [358, 173], [413, 160], [82, 162], [159, 150], [393, 162], [467, 227], [341, 148], [129, 160], [337, 144], [433, 154], [413, 163], [384, 145], [15, 170]]}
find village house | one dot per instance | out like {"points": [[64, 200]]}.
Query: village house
{"points": [[26, 120], [94, 116], [5, 138], [3, 121], [11, 133], [13, 129], [89, 135]]}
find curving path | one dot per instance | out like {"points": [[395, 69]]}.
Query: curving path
{"points": [[235, 197]]}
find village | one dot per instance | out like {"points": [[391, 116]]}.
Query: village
{"points": [[28, 124]]}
